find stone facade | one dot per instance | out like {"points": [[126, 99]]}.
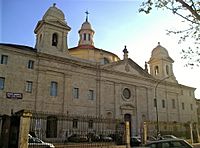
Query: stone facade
{"points": [[50, 78]]}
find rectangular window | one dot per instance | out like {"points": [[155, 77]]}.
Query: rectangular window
{"points": [[84, 36], [30, 64], [191, 106], [75, 93], [154, 102], [29, 86], [181, 92], [183, 106], [2, 82], [4, 59], [173, 104], [163, 103], [91, 95], [88, 37], [54, 89], [90, 124], [75, 123]]}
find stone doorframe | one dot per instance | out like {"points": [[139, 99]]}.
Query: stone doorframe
{"points": [[131, 110]]}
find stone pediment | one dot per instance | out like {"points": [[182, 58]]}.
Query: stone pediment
{"points": [[52, 22], [127, 66], [57, 23]]}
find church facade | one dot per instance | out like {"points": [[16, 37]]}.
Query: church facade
{"points": [[86, 80]]}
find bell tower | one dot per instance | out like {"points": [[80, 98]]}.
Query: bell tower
{"points": [[51, 32], [161, 64]]}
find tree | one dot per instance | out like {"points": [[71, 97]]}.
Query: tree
{"points": [[189, 11]]}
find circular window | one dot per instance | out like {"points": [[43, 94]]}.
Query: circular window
{"points": [[126, 93]]}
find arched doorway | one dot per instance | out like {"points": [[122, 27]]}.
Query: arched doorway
{"points": [[127, 117]]}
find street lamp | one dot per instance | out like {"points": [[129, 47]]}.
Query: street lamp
{"points": [[155, 95]]}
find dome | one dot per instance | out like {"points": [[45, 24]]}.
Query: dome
{"points": [[54, 13], [159, 52], [86, 25]]}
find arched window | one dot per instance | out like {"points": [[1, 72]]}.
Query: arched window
{"points": [[55, 39], [84, 36], [167, 69], [156, 70], [51, 131]]}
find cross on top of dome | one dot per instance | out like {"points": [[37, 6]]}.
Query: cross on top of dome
{"points": [[87, 13]]}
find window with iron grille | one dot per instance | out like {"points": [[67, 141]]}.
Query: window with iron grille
{"points": [[75, 93], [29, 85], [54, 89], [91, 95]]}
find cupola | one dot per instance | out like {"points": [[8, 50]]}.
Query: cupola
{"points": [[86, 33]]}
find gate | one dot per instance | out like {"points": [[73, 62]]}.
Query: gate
{"points": [[75, 131]]}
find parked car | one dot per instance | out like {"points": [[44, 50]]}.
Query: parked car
{"points": [[135, 141], [169, 143], [77, 138], [169, 137], [151, 138], [36, 142], [93, 137], [105, 138]]}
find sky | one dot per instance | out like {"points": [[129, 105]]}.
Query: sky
{"points": [[116, 23]]}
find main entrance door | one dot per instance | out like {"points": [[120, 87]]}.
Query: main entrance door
{"points": [[127, 117]]}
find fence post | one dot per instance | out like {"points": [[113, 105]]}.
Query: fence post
{"points": [[197, 129], [144, 132], [24, 128], [191, 134], [127, 134]]}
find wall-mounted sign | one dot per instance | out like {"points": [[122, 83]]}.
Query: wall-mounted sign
{"points": [[12, 95]]}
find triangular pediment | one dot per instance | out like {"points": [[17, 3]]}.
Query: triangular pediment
{"points": [[58, 22], [53, 22], [127, 66]]}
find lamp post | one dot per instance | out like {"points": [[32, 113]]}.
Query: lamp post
{"points": [[155, 95]]}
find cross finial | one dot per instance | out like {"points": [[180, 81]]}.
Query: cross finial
{"points": [[87, 13]]}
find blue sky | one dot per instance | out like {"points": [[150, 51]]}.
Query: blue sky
{"points": [[116, 23]]}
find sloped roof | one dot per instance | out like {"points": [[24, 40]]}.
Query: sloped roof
{"points": [[22, 47]]}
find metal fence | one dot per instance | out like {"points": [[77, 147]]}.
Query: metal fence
{"points": [[75, 131]]}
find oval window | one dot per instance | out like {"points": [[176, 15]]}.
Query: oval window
{"points": [[126, 93]]}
